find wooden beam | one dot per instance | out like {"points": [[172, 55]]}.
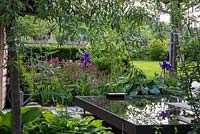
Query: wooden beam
{"points": [[3, 71]]}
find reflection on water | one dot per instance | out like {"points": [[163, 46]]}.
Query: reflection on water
{"points": [[141, 110]]}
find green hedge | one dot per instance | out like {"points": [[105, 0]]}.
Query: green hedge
{"points": [[65, 52]]}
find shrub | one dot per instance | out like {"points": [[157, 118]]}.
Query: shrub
{"points": [[26, 84], [140, 53], [158, 50], [103, 64], [47, 52]]}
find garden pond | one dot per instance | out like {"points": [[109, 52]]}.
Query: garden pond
{"points": [[157, 113]]}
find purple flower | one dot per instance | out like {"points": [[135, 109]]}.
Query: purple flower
{"points": [[168, 67], [165, 65], [86, 54], [164, 114], [85, 59]]}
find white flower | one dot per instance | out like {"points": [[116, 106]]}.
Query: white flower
{"points": [[195, 87]]}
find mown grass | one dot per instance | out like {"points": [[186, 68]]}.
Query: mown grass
{"points": [[149, 67]]}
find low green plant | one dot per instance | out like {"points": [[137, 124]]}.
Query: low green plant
{"points": [[136, 83], [62, 122], [103, 64], [5, 123], [42, 121]]}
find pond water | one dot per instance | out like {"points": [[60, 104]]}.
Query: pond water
{"points": [[148, 110]]}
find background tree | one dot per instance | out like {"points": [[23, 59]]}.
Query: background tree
{"points": [[8, 18]]}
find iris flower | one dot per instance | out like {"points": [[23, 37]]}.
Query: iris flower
{"points": [[164, 114], [85, 59], [165, 65]]}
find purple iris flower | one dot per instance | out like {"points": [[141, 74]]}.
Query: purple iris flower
{"points": [[164, 114], [168, 67], [165, 65], [85, 59]]}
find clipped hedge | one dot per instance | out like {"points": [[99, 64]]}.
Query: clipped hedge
{"points": [[65, 52]]}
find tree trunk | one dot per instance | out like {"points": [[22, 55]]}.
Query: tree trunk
{"points": [[175, 28], [14, 73]]}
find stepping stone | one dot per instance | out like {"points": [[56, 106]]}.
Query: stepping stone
{"points": [[33, 104]]}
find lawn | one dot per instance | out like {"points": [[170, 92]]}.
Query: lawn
{"points": [[149, 67]]}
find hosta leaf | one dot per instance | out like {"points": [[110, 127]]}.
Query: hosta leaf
{"points": [[145, 90], [154, 90], [48, 116], [31, 115], [6, 120], [126, 87], [133, 92], [123, 79]]}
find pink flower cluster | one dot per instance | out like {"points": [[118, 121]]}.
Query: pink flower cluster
{"points": [[69, 71], [55, 61]]}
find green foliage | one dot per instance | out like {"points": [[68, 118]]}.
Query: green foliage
{"points": [[102, 16], [42, 121], [141, 53], [47, 52], [158, 50], [136, 83], [60, 39], [103, 64], [32, 26], [26, 83], [5, 122], [169, 86], [189, 70], [57, 81]]}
